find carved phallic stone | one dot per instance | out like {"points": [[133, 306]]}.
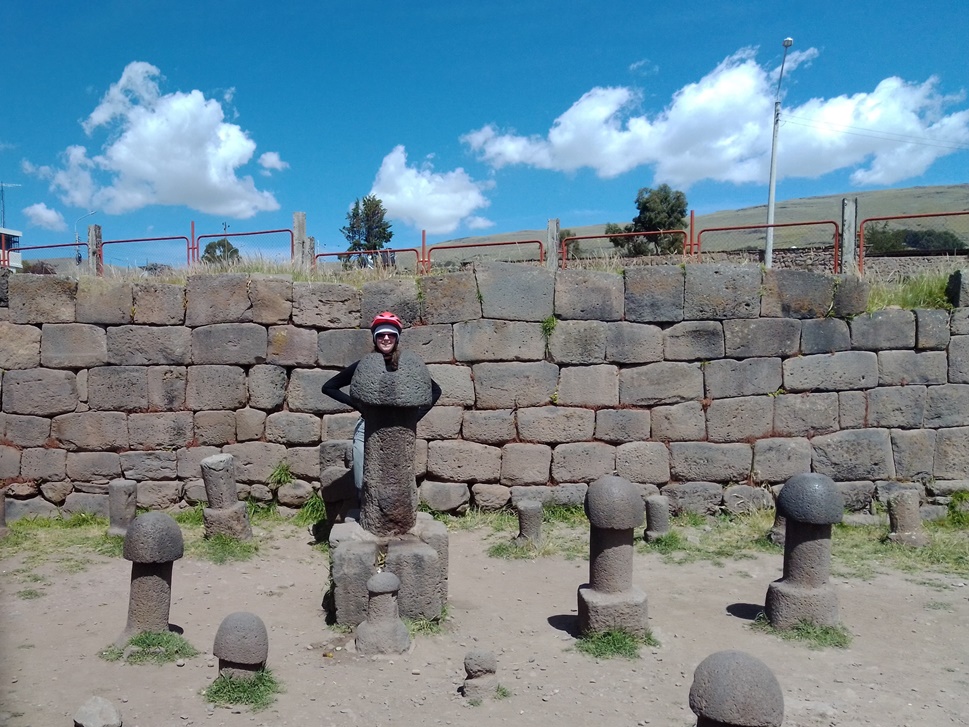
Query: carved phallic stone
{"points": [[152, 544], [734, 689], [122, 505], [529, 522], [657, 517], [241, 645], [226, 514], [905, 520], [383, 632], [480, 668]]}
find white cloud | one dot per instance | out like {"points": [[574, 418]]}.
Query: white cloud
{"points": [[40, 215], [161, 149], [270, 162], [428, 200], [719, 128]]}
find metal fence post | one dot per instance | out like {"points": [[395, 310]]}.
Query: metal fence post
{"points": [[552, 244], [849, 235]]}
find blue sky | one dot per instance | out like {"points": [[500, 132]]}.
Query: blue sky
{"points": [[464, 118]]}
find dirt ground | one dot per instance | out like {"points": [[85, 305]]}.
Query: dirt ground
{"points": [[908, 663]]}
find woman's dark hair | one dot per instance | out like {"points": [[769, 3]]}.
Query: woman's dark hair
{"points": [[393, 360]]}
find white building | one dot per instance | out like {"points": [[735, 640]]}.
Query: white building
{"points": [[9, 249]]}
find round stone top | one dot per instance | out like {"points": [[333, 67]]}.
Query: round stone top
{"points": [[407, 387], [731, 687], [153, 537], [217, 462], [479, 662], [614, 503], [242, 639], [383, 582], [811, 498]]}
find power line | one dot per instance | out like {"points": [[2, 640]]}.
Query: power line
{"points": [[873, 133]]}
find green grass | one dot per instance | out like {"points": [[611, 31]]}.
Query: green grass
{"points": [[256, 693], [281, 475], [927, 290], [65, 542], [220, 549], [614, 644], [695, 537], [815, 637], [427, 626], [29, 594], [863, 552], [312, 511], [153, 647], [502, 692]]}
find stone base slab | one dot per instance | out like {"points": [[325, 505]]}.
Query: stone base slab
{"points": [[788, 604], [625, 611]]}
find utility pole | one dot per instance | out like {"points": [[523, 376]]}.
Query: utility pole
{"points": [[3, 202]]}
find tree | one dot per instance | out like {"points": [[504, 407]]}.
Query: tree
{"points": [[660, 209], [366, 228], [881, 239], [220, 251], [572, 248]]}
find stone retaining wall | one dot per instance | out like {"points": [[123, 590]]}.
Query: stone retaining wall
{"points": [[708, 381]]}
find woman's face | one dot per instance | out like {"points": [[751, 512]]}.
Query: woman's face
{"points": [[385, 343]]}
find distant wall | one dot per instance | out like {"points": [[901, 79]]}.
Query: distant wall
{"points": [[707, 381]]}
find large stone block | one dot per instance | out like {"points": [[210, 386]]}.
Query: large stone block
{"points": [[157, 465], [267, 386], [215, 427], [441, 422], [831, 372], [423, 577], [779, 459], [749, 377], [882, 330], [495, 426], [452, 497], [850, 296], [684, 422], [271, 298], [700, 498], [487, 340], [148, 345], [222, 298], [78, 502], [693, 341], [578, 342], [10, 458], [555, 424], [326, 305], [43, 464], [188, 458], [238, 344], [216, 387], [946, 406], [582, 461], [862, 454], [250, 424], [287, 427], [104, 301], [19, 346], [958, 371], [118, 388], [902, 368], [745, 418], [665, 382], [41, 299], [434, 344], [25, 431], [806, 415], [489, 497], [91, 466], [166, 387], [73, 346], [292, 346], [340, 347], [515, 292], [900, 407], [633, 343], [914, 453], [825, 335], [952, 454], [590, 386], [616, 426], [450, 298], [643, 462], [158, 304], [461, 461], [255, 461], [589, 295], [739, 499], [161, 430], [853, 409], [762, 337], [513, 385], [455, 381], [931, 329], [704, 461], [399, 295], [721, 292], [159, 495], [39, 392], [304, 462], [796, 294], [654, 294], [525, 464]]}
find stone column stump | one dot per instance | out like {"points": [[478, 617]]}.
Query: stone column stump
{"points": [[382, 632], [3, 513], [122, 505], [241, 645], [811, 503], [225, 514], [152, 544], [481, 669], [657, 517], [529, 522], [610, 601], [905, 520], [734, 689]]}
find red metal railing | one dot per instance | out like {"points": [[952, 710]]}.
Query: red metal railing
{"points": [[836, 235], [863, 223], [140, 240], [235, 235], [563, 245], [430, 250], [377, 258], [5, 261]]}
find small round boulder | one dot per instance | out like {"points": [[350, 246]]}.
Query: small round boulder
{"points": [[242, 639], [614, 503], [735, 688], [478, 663], [811, 498], [153, 537]]}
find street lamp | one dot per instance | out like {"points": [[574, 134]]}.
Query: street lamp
{"points": [[77, 240], [769, 245]]}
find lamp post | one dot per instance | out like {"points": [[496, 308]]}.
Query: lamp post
{"points": [[77, 240], [769, 245]]}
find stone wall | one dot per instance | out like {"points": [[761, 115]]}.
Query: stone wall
{"points": [[708, 381]]}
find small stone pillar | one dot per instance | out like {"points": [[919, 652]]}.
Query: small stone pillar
{"points": [[226, 514], [905, 520], [480, 668], [152, 544], [734, 689], [97, 712], [609, 601], [657, 517], [241, 645], [390, 402], [529, 522], [122, 505], [383, 632], [811, 503]]}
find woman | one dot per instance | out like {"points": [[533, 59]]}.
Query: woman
{"points": [[385, 329]]}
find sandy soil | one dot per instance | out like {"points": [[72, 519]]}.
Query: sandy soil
{"points": [[908, 663]]}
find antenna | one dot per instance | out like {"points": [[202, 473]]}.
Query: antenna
{"points": [[3, 202]]}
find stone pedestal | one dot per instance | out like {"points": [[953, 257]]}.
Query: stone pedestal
{"points": [[905, 520], [226, 514], [529, 522], [657, 517]]}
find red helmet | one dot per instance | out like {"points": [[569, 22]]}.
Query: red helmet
{"points": [[387, 318]]}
